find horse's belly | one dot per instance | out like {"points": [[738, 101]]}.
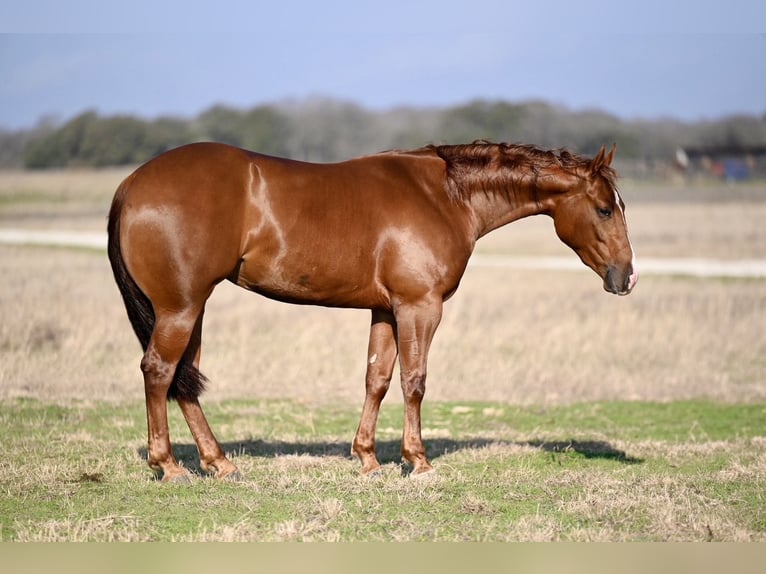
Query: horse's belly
{"points": [[331, 285]]}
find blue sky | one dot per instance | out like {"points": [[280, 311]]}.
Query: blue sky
{"points": [[650, 59]]}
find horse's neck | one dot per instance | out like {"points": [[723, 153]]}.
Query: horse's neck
{"points": [[493, 210], [502, 183]]}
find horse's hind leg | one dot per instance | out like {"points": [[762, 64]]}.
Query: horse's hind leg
{"points": [[167, 346], [211, 455]]}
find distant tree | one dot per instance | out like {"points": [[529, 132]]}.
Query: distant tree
{"points": [[262, 128], [12, 148], [406, 128], [739, 132], [62, 146], [266, 130], [221, 124], [112, 141], [326, 130], [89, 140], [495, 121], [329, 130], [166, 133]]}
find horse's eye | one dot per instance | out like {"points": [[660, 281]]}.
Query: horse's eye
{"points": [[604, 212]]}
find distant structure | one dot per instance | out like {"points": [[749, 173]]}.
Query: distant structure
{"points": [[727, 162]]}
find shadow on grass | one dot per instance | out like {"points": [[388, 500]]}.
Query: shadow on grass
{"points": [[588, 449], [388, 451]]}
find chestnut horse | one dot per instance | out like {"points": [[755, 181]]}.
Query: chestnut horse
{"points": [[390, 232]]}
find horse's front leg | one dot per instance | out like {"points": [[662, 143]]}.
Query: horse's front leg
{"points": [[416, 327], [381, 357]]}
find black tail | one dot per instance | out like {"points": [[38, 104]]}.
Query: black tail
{"points": [[188, 383]]}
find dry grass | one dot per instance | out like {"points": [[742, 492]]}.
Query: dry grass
{"points": [[512, 336], [71, 199], [101, 529], [507, 335]]}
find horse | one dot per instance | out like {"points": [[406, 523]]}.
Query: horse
{"points": [[390, 232]]}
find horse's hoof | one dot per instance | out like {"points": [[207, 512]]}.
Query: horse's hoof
{"points": [[374, 474], [184, 479], [425, 475], [222, 470], [235, 476]]}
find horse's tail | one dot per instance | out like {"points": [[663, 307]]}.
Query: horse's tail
{"points": [[188, 383]]}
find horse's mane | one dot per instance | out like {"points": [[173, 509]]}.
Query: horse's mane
{"points": [[503, 168]]}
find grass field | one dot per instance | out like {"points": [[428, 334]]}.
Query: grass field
{"points": [[553, 411], [689, 470]]}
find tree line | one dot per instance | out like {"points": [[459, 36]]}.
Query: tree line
{"points": [[329, 130]]}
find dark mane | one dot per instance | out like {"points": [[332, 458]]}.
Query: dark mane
{"points": [[500, 167]]}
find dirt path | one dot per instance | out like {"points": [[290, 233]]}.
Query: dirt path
{"points": [[742, 268]]}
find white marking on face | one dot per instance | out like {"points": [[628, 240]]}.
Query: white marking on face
{"points": [[373, 358], [633, 279]]}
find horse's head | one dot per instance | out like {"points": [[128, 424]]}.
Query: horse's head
{"points": [[590, 218]]}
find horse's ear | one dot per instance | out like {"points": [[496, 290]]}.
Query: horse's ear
{"points": [[598, 161], [602, 159]]}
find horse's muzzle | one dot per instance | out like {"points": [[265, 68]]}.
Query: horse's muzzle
{"points": [[620, 281]]}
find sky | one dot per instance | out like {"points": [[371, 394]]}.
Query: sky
{"points": [[653, 59]]}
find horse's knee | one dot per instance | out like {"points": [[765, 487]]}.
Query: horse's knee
{"points": [[377, 386], [414, 386], [169, 343], [158, 374], [152, 363]]}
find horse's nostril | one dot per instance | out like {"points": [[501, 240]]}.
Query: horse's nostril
{"points": [[619, 283], [610, 283]]}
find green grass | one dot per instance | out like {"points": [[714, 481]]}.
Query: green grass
{"points": [[690, 470]]}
